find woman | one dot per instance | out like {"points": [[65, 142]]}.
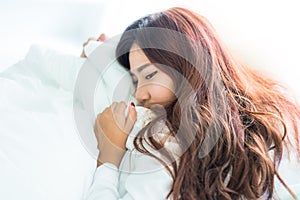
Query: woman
{"points": [[227, 126]]}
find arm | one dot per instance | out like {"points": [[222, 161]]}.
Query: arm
{"points": [[105, 183], [147, 177], [111, 129], [154, 182]]}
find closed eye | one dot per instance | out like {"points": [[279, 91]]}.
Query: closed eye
{"points": [[149, 76], [135, 83], [134, 79]]}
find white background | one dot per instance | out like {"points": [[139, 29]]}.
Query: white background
{"points": [[264, 34]]}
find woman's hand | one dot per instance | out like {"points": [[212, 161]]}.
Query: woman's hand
{"points": [[101, 38], [111, 129]]}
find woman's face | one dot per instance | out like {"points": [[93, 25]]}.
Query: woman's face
{"points": [[153, 86]]}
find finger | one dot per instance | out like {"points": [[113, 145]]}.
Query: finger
{"points": [[83, 55], [131, 118], [88, 40], [102, 37], [112, 106], [115, 111], [119, 115], [120, 108], [98, 133]]}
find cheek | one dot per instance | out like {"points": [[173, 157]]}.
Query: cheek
{"points": [[161, 93]]}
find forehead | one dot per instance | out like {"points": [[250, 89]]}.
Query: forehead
{"points": [[137, 57]]}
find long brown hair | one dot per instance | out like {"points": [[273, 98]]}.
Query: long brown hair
{"points": [[251, 117]]}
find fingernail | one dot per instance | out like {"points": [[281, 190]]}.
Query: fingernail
{"points": [[132, 104]]}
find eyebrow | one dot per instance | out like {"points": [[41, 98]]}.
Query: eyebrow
{"points": [[142, 67]]}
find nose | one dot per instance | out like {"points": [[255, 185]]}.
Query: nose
{"points": [[142, 94]]}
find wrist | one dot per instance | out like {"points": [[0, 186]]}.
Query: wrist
{"points": [[114, 156], [99, 163]]}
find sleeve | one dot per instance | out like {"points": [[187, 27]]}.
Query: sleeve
{"points": [[149, 180], [91, 46], [105, 183]]}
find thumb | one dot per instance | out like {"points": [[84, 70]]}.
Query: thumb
{"points": [[131, 117]]}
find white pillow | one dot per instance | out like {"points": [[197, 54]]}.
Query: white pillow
{"points": [[100, 82], [42, 155]]}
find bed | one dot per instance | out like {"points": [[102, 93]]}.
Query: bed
{"points": [[43, 154]]}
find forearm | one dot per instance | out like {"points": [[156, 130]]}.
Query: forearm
{"points": [[105, 183], [154, 183]]}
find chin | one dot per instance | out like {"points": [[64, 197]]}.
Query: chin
{"points": [[156, 105], [152, 105], [147, 106]]}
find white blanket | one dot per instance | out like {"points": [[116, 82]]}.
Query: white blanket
{"points": [[41, 153]]}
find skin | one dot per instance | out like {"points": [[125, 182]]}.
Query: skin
{"points": [[111, 129], [154, 87], [101, 38]]}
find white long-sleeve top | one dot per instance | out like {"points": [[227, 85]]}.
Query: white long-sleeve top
{"points": [[139, 176]]}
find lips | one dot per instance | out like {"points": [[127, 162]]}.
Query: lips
{"points": [[144, 104]]}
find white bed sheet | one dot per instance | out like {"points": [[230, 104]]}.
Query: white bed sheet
{"points": [[42, 155]]}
